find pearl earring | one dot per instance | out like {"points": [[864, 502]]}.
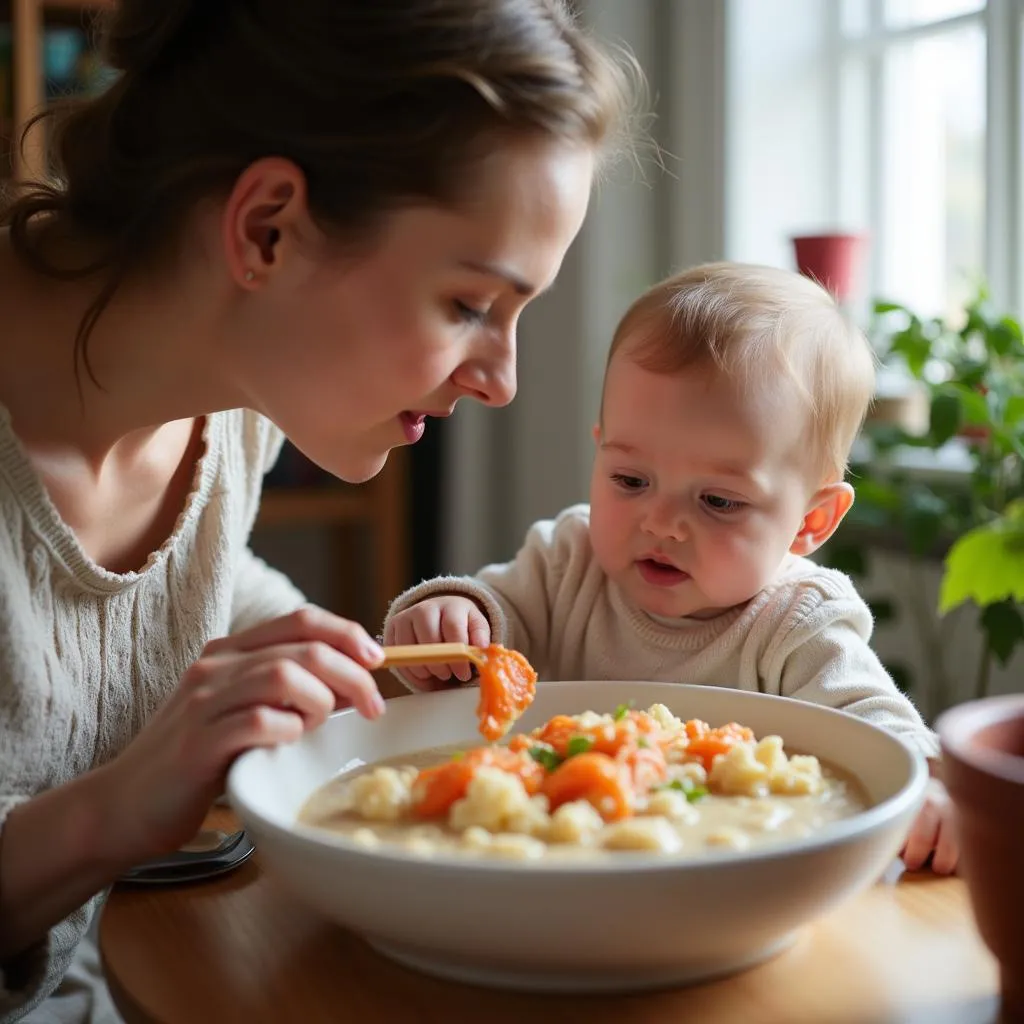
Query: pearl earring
{"points": [[250, 275]]}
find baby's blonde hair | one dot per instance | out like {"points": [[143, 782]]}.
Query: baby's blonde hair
{"points": [[752, 322]]}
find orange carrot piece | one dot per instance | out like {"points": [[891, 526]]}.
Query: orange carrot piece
{"points": [[596, 778], [507, 687], [436, 789]]}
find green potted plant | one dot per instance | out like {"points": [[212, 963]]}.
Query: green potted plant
{"points": [[973, 375]]}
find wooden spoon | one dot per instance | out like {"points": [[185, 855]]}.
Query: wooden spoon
{"points": [[431, 654]]}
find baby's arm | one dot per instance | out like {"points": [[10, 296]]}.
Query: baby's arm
{"points": [[829, 661], [505, 603]]}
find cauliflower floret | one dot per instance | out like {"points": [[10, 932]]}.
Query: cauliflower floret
{"points": [[383, 794], [739, 773], [476, 838], [729, 837], [515, 847], [691, 771], [574, 823], [666, 719], [366, 837], [770, 753], [801, 776], [641, 834], [588, 720], [533, 819], [670, 803], [492, 799]]}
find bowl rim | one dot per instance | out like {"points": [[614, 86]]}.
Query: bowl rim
{"points": [[835, 833], [958, 725]]}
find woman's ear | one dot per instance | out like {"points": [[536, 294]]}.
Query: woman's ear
{"points": [[266, 206], [824, 513]]}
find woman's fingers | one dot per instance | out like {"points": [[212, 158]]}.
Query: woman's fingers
{"points": [[254, 726], [279, 682], [307, 625]]}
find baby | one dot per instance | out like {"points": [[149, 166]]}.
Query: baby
{"points": [[732, 396]]}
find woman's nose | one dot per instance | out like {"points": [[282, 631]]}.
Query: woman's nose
{"points": [[490, 379]]}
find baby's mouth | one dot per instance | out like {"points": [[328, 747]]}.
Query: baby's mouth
{"points": [[659, 572]]}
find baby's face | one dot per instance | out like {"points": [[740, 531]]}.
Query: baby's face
{"points": [[698, 490]]}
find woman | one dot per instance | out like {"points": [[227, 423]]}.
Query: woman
{"points": [[318, 219]]}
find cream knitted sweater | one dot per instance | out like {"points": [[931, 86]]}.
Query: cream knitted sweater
{"points": [[87, 655], [805, 636]]}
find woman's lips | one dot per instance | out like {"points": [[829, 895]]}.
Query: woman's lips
{"points": [[660, 574], [413, 425]]}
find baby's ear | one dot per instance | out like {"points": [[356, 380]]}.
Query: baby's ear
{"points": [[824, 513]]}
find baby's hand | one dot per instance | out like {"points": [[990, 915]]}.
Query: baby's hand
{"points": [[448, 619], [932, 834]]}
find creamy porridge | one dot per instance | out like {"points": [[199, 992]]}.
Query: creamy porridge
{"points": [[587, 786]]}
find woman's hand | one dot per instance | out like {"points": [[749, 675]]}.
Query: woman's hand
{"points": [[449, 619], [254, 689]]}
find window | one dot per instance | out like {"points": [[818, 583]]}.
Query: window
{"points": [[925, 145], [897, 118]]}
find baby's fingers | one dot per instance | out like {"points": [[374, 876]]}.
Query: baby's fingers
{"points": [[922, 838], [455, 630]]}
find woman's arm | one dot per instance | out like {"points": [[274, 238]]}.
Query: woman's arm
{"points": [[54, 855]]}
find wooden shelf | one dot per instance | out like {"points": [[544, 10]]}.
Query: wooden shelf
{"points": [[310, 506]]}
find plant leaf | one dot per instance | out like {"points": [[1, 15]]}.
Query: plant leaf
{"points": [[986, 565], [974, 408], [1014, 410], [1004, 628], [945, 417]]}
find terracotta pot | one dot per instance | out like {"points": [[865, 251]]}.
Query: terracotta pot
{"points": [[832, 260], [983, 767]]}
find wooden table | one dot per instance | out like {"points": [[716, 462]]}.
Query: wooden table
{"points": [[240, 949]]}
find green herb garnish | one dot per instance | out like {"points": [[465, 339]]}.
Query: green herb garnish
{"points": [[546, 756], [578, 745], [622, 710], [642, 741], [458, 755], [688, 788]]}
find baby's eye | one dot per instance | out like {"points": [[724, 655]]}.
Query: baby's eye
{"points": [[717, 503], [628, 483], [469, 314]]}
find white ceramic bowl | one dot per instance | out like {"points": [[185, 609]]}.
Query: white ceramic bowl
{"points": [[644, 921]]}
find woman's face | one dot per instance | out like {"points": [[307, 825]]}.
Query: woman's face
{"points": [[351, 356]]}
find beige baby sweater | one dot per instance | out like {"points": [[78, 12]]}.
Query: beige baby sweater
{"points": [[87, 655], [804, 636]]}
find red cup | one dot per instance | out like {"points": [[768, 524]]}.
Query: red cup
{"points": [[983, 768]]}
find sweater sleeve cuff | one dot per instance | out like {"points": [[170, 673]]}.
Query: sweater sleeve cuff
{"points": [[442, 586]]}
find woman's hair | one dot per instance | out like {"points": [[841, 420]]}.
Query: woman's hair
{"points": [[764, 327], [378, 102]]}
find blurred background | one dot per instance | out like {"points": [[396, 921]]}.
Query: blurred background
{"points": [[873, 143]]}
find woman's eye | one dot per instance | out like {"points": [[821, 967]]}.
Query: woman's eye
{"points": [[469, 314], [628, 483], [719, 504]]}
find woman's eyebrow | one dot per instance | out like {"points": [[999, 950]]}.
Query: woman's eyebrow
{"points": [[497, 270]]}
